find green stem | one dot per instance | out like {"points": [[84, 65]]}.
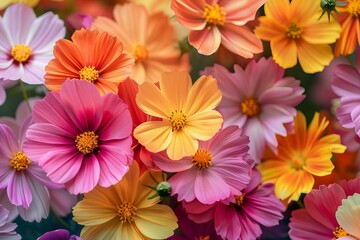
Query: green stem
{"points": [[300, 204], [26, 98]]}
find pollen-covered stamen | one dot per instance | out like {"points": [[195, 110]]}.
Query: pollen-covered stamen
{"points": [[250, 107], [21, 52], [202, 159], [20, 161], [86, 142], [139, 52], [340, 232], [214, 15], [293, 31], [177, 119], [239, 199], [89, 74], [353, 7], [126, 212]]}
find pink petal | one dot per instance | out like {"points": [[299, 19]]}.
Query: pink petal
{"points": [[62, 201], [9, 143], [5, 42], [198, 212], [19, 191], [166, 164], [206, 41], [39, 175], [6, 173], [13, 72], [188, 13], [34, 72], [254, 130], [240, 12], [183, 184], [227, 222]]}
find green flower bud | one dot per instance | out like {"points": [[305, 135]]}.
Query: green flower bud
{"points": [[164, 189]]}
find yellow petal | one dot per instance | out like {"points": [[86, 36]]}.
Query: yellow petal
{"points": [[126, 188], [278, 10], [284, 51], [269, 29], [182, 144], [144, 192], [154, 135], [204, 125], [271, 170], [321, 33]]}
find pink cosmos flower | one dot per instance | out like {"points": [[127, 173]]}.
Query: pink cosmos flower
{"points": [[318, 220], [219, 169], [7, 229], [240, 217], [220, 21], [26, 184], [346, 85], [26, 43], [258, 99], [81, 138]]}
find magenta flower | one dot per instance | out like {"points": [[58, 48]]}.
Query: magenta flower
{"points": [[25, 182], [7, 229], [318, 220], [80, 138], [240, 217], [26, 43], [258, 99], [60, 234], [212, 22], [219, 168]]}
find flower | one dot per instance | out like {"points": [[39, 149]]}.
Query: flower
{"points": [[241, 216], [217, 21], [86, 137], [186, 111], [60, 234], [345, 84], [7, 230], [258, 99], [151, 54], [124, 210], [296, 32], [350, 33], [348, 215], [26, 43], [318, 219], [219, 168], [26, 184], [93, 56], [301, 154]]}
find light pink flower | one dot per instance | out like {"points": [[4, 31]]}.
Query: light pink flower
{"points": [[81, 138], [240, 217], [25, 182], [7, 229], [220, 168], [258, 99], [220, 21], [26, 43], [317, 220]]}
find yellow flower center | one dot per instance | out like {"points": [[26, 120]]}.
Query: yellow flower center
{"points": [[86, 142], [202, 159], [340, 232], [126, 212], [250, 107], [177, 120], [203, 238], [139, 52], [297, 161], [240, 199], [214, 15], [21, 52], [293, 31], [354, 8], [20, 161], [89, 74]]}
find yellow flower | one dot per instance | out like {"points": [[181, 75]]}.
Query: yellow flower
{"points": [[296, 32], [5, 3], [301, 156], [124, 211], [185, 111]]}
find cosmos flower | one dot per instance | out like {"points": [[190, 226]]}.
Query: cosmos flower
{"points": [[26, 43], [86, 137], [348, 216], [303, 154], [60, 234], [186, 114], [296, 32], [7, 229], [240, 216], [258, 99], [94, 56], [152, 54], [318, 219], [219, 168], [215, 22], [124, 210]]}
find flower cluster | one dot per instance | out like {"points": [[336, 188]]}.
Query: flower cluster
{"points": [[179, 119]]}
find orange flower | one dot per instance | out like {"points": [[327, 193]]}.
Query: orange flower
{"points": [[93, 56], [186, 113], [350, 27], [301, 156], [150, 39], [296, 32]]}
